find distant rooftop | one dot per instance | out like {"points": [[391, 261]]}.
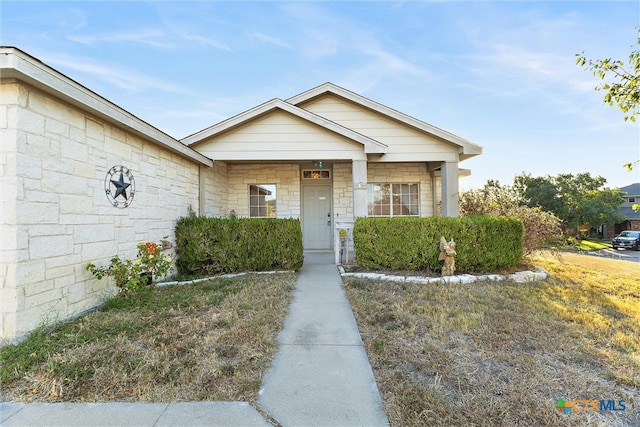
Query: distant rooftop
{"points": [[632, 190]]}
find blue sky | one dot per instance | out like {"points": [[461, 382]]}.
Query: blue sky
{"points": [[500, 74]]}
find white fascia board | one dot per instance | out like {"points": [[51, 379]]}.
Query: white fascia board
{"points": [[469, 149], [16, 64], [371, 146]]}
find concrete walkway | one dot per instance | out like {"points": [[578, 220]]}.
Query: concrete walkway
{"points": [[320, 375]]}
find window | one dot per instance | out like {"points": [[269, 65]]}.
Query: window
{"points": [[632, 199], [387, 199], [262, 200], [316, 174]]}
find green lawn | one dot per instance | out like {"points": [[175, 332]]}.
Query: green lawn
{"points": [[592, 245]]}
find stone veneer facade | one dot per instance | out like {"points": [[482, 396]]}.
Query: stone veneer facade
{"points": [[342, 191], [286, 177], [55, 215]]}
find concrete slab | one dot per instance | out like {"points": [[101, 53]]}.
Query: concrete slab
{"points": [[87, 414], [8, 409], [330, 323], [322, 293], [211, 414], [319, 257], [131, 414], [322, 386]]}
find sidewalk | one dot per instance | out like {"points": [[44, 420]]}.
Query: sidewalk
{"points": [[320, 375], [131, 414]]}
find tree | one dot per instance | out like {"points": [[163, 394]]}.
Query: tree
{"points": [[621, 84], [576, 200], [493, 199], [540, 192]]}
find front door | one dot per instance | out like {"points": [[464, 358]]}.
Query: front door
{"points": [[316, 217]]}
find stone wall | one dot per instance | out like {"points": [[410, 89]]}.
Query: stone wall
{"points": [[55, 213], [342, 191], [285, 176], [214, 201]]}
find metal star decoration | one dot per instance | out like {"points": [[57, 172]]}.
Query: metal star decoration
{"points": [[121, 186]]}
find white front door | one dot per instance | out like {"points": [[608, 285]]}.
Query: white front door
{"points": [[316, 217]]}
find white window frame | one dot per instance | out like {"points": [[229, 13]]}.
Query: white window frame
{"points": [[259, 206], [395, 191]]}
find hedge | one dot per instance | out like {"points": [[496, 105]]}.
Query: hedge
{"points": [[206, 246], [483, 243]]}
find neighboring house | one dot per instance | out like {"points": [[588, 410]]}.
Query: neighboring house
{"points": [[632, 197], [82, 179]]}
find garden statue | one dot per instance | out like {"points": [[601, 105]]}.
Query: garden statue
{"points": [[448, 255]]}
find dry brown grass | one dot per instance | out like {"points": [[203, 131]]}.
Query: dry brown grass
{"points": [[208, 341], [501, 354]]}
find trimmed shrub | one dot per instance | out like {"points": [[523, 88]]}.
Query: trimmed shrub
{"points": [[207, 246], [483, 243], [541, 228]]}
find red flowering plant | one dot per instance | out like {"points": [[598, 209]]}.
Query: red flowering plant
{"points": [[136, 276]]}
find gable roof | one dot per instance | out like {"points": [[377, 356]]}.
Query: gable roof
{"points": [[467, 148], [371, 146], [18, 65]]}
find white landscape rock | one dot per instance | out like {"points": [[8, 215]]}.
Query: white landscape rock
{"points": [[519, 277]]}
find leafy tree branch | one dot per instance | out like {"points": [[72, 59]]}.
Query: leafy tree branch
{"points": [[621, 81]]}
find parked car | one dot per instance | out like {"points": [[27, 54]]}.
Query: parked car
{"points": [[627, 239]]}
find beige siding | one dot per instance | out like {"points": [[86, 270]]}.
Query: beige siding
{"points": [[280, 136], [405, 143]]}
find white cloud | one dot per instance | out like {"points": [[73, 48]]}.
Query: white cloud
{"points": [[149, 37], [347, 49], [270, 40], [153, 37], [206, 41], [122, 78]]}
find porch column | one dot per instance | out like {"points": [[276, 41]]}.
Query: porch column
{"points": [[359, 175], [435, 176], [449, 184], [202, 190]]}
